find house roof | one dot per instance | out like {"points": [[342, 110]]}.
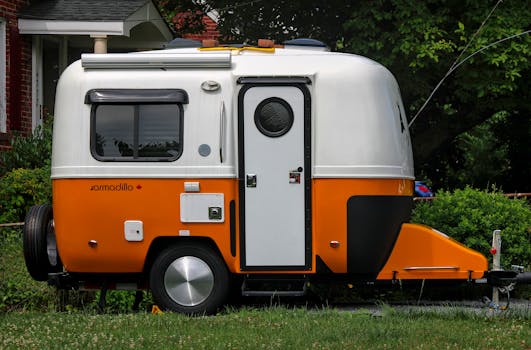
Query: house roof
{"points": [[92, 17], [82, 10]]}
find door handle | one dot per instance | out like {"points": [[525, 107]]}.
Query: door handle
{"points": [[251, 180]]}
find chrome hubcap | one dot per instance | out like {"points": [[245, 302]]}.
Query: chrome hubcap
{"points": [[51, 244], [189, 281]]}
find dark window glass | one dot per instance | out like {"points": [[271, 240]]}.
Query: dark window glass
{"points": [[142, 132], [273, 117]]}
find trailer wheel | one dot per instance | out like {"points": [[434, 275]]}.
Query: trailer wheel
{"points": [[40, 247], [190, 279]]}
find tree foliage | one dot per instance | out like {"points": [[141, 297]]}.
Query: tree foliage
{"points": [[280, 20], [418, 42], [482, 159], [183, 17]]}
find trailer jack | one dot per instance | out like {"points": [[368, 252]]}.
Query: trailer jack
{"points": [[492, 305], [504, 282]]}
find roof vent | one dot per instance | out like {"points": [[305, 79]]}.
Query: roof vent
{"points": [[181, 43], [306, 43]]}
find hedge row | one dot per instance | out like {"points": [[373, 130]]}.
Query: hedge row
{"points": [[470, 216]]}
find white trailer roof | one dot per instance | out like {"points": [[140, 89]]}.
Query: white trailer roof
{"points": [[359, 127]]}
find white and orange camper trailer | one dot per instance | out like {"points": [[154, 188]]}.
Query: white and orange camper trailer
{"points": [[178, 169]]}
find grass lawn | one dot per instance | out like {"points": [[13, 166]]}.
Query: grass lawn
{"points": [[26, 324], [268, 328]]}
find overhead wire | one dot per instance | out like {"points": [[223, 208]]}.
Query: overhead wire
{"points": [[457, 61], [454, 67]]}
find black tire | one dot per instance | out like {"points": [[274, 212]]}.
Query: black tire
{"points": [[40, 248], [199, 291]]}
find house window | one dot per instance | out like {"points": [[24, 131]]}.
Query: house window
{"points": [[136, 125], [3, 112]]}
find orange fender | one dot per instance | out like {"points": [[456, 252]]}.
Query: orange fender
{"points": [[422, 252]]}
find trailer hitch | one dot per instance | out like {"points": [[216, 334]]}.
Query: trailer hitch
{"points": [[523, 278], [504, 282], [500, 278]]}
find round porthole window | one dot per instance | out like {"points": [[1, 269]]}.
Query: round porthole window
{"points": [[273, 117]]}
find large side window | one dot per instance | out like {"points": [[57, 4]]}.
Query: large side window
{"points": [[136, 125]]}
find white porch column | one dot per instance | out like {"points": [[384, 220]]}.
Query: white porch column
{"points": [[36, 82], [63, 53], [100, 43]]}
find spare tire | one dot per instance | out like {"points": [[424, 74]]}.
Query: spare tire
{"points": [[40, 247]]}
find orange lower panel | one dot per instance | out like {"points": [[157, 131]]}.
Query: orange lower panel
{"points": [[329, 214], [424, 253], [96, 209]]}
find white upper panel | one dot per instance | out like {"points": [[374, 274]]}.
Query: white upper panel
{"points": [[358, 121]]}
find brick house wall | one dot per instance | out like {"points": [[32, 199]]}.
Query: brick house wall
{"points": [[211, 31], [18, 73]]}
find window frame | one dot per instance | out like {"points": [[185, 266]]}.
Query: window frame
{"points": [[258, 117], [135, 97]]}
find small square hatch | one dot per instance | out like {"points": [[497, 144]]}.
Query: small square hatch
{"points": [[134, 230], [202, 207]]}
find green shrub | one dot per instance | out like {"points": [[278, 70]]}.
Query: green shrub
{"points": [[18, 291], [469, 216], [33, 151], [22, 188], [121, 301]]}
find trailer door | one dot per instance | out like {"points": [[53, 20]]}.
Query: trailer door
{"points": [[274, 156]]}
